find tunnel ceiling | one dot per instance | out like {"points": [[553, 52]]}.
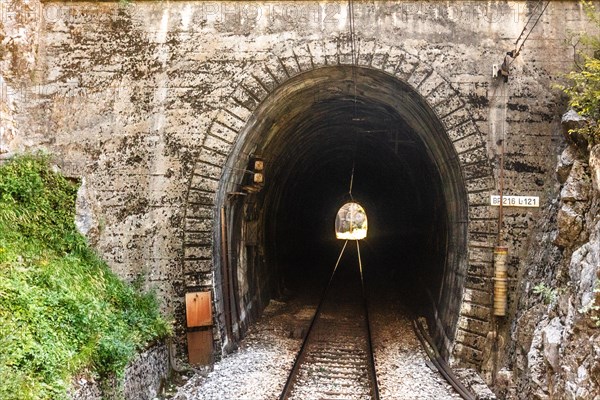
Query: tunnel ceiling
{"points": [[324, 115]]}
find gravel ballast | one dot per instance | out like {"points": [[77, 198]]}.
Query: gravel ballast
{"points": [[259, 368]]}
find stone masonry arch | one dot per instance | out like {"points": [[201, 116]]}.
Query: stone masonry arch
{"points": [[257, 82]]}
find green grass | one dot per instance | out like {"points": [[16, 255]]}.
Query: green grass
{"points": [[61, 309]]}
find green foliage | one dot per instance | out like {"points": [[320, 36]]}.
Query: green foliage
{"points": [[61, 308], [584, 91], [584, 95], [548, 294]]}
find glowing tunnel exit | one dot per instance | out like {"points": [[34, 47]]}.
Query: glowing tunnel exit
{"points": [[351, 222]]}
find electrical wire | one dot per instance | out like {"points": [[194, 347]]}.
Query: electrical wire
{"points": [[354, 63], [518, 50], [351, 181], [527, 23], [351, 27], [533, 27]]}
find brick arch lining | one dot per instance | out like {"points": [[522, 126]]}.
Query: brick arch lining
{"points": [[259, 81]]}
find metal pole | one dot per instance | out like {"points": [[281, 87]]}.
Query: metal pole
{"points": [[499, 294], [225, 276]]}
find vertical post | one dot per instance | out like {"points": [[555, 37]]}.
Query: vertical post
{"points": [[232, 289], [501, 205], [499, 295], [500, 252], [225, 276]]}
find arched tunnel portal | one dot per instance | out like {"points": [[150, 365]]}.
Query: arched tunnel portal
{"points": [[314, 132]]}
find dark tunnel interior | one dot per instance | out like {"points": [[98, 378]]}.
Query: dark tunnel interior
{"points": [[394, 180], [312, 133]]}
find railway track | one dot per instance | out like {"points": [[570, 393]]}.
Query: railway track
{"points": [[336, 358]]}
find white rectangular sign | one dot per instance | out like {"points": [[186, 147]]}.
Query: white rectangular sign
{"points": [[515, 201]]}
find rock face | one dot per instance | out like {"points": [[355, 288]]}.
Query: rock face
{"points": [[574, 197], [557, 351], [572, 120], [565, 163], [571, 225]]}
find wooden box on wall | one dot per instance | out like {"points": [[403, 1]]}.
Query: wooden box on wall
{"points": [[198, 309]]}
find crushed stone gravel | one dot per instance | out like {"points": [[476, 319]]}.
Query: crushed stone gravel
{"points": [[259, 368]]}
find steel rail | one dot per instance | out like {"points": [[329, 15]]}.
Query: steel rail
{"points": [[304, 352], [372, 370], [301, 353], [439, 362]]}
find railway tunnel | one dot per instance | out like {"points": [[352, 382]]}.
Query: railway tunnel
{"points": [[316, 133]]}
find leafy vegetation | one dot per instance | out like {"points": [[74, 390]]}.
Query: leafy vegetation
{"points": [[584, 91], [61, 309], [547, 294]]}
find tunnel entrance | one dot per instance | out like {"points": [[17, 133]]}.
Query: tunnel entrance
{"points": [[393, 178], [315, 133]]}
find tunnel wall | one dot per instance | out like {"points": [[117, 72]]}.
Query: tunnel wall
{"points": [[145, 100]]}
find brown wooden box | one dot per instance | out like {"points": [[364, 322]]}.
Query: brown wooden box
{"points": [[198, 309]]}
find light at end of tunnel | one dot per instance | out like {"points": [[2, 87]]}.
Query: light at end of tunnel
{"points": [[351, 222], [356, 234]]}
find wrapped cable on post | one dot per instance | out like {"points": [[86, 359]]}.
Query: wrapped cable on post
{"points": [[500, 280]]}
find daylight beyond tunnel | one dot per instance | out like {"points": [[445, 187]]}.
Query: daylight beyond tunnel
{"points": [[318, 133]]}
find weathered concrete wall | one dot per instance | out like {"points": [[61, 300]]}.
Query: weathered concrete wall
{"points": [[19, 38], [127, 96]]}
